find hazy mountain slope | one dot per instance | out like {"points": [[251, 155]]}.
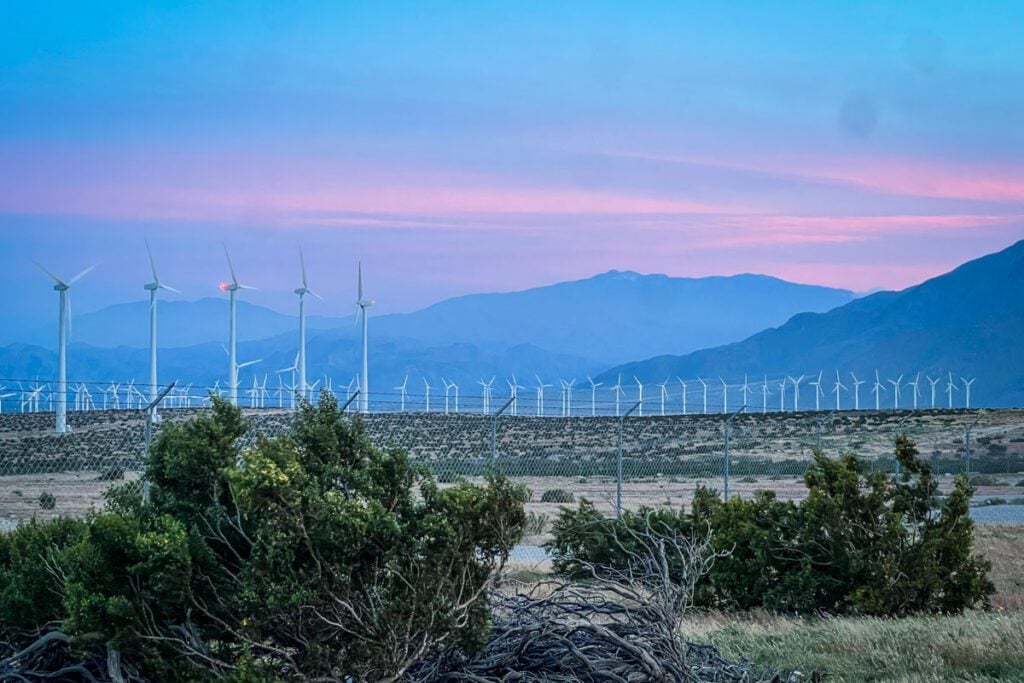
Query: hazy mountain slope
{"points": [[617, 315], [969, 321]]}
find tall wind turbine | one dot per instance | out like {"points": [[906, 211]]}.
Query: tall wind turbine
{"points": [[764, 396], [618, 394], [640, 396], [818, 393], [152, 288], [232, 288], [796, 392], [877, 391], [950, 388], [896, 391], [856, 391], [705, 385], [540, 395], [725, 395], [683, 382], [782, 394], [362, 304], [63, 330], [838, 387], [593, 395], [302, 292], [426, 389], [967, 390], [402, 390], [917, 390], [664, 394], [933, 382]]}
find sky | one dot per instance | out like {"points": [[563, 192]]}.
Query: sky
{"points": [[460, 147]]}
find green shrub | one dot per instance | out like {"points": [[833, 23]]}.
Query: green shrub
{"points": [[47, 501], [536, 524], [111, 474], [985, 480], [310, 556], [858, 543], [557, 496], [995, 500]]}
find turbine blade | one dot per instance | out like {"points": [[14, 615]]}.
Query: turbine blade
{"points": [[80, 275], [55, 278], [169, 288], [302, 262], [152, 264], [360, 293], [310, 291], [231, 266], [255, 289]]}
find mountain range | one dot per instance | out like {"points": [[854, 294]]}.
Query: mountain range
{"points": [[969, 321]]}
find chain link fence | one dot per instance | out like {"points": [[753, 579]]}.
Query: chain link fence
{"points": [[619, 462]]}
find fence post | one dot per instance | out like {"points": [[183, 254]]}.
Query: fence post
{"points": [[150, 411], [725, 460], [967, 446], [494, 428], [618, 462]]}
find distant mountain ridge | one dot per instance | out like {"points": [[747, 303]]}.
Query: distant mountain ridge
{"points": [[969, 321]]}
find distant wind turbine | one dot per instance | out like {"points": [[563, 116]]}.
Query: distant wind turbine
{"points": [[967, 390], [153, 287], [705, 385], [838, 387], [950, 388], [232, 288], [302, 292], [640, 396], [618, 394], [593, 395], [818, 393], [878, 390], [933, 383], [796, 392], [856, 391], [683, 383], [362, 303], [896, 391]]}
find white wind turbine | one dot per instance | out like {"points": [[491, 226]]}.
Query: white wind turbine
{"points": [[838, 387], [933, 383], [4, 396], [514, 386], [764, 396], [403, 392], [664, 394], [540, 395], [362, 304], [426, 387], [567, 396], [745, 392], [796, 392], [302, 292], [950, 388], [447, 389], [896, 391], [486, 396], [640, 396], [618, 394], [63, 331], [878, 390], [967, 390], [782, 394], [856, 391], [818, 393], [917, 390], [725, 395], [593, 395], [705, 385], [683, 383], [293, 368], [232, 288], [152, 288]]}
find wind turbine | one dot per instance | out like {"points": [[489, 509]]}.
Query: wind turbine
{"points": [[782, 395], [705, 385], [514, 387], [362, 304], [302, 292], [725, 395], [950, 388], [447, 388], [796, 392], [3, 396], [917, 390], [933, 382], [745, 392], [153, 287], [967, 390], [593, 395], [818, 393], [232, 288], [664, 394], [839, 385], [896, 391], [540, 395], [567, 393], [640, 397], [63, 330], [683, 382], [403, 392], [292, 369], [877, 391], [856, 391], [618, 394], [486, 394], [764, 396], [426, 385]]}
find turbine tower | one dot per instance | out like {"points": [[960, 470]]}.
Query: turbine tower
{"points": [[362, 304], [896, 391], [232, 288], [796, 392], [917, 390], [838, 387], [664, 395], [302, 292], [745, 392], [764, 396], [782, 395], [877, 391], [683, 382], [725, 395], [402, 390], [618, 394], [818, 393], [950, 388], [63, 330], [934, 383], [640, 396], [540, 395], [426, 387], [153, 287]]}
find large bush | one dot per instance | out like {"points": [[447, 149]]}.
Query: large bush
{"points": [[313, 555], [859, 543]]}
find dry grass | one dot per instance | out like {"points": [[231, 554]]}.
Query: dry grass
{"points": [[1003, 545]]}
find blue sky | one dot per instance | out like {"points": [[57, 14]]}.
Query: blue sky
{"points": [[461, 147]]}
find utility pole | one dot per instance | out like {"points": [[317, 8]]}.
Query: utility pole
{"points": [[618, 461]]}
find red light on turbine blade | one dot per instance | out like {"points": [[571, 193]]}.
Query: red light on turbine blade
{"points": [[223, 286]]}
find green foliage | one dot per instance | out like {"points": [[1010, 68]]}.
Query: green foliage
{"points": [[47, 501], [557, 496], [859, 543], [313, 555]]}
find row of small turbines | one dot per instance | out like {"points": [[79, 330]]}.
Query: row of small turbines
{"points": [[59, 396]]}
